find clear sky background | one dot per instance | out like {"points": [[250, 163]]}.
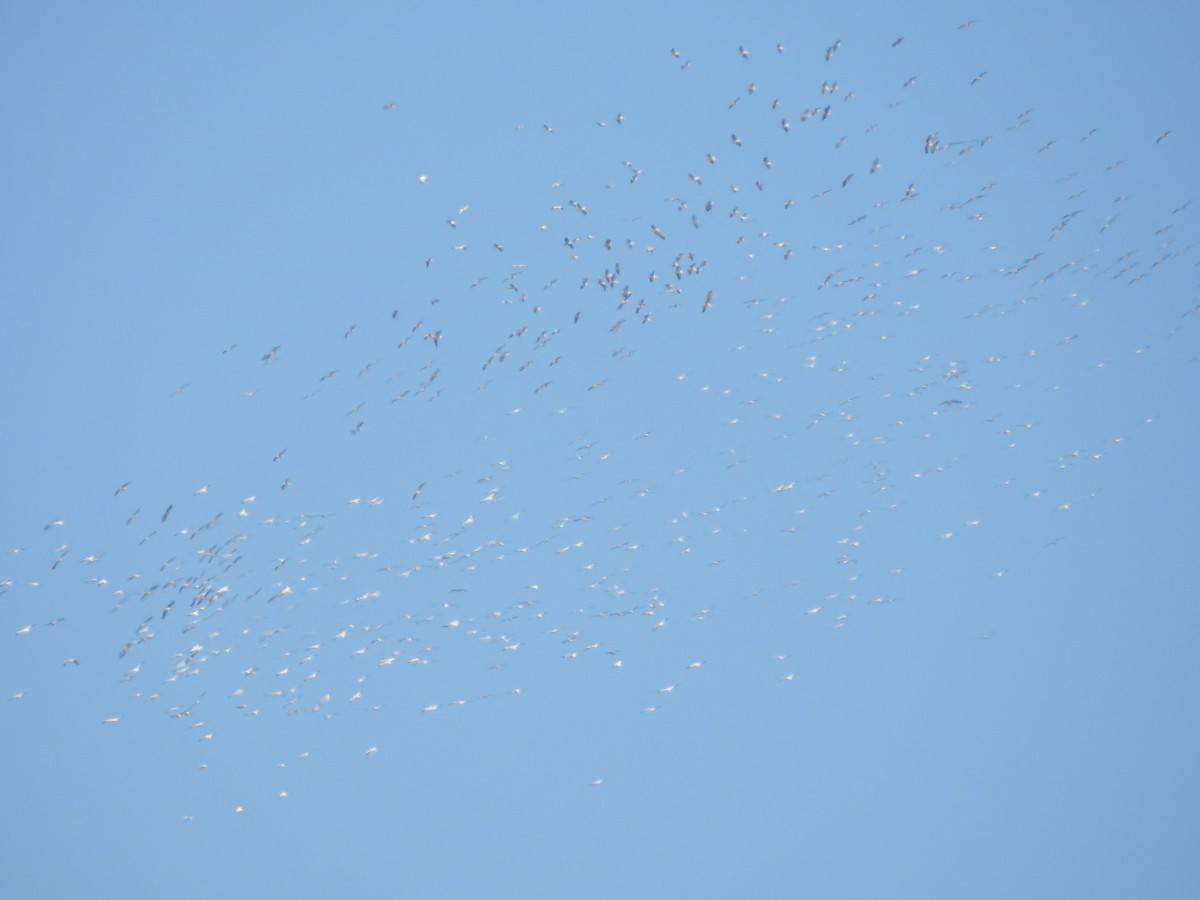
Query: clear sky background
{"points": [[591, 450]]}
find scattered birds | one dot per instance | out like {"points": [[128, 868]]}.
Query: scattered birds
{"points": [[651, 270]]}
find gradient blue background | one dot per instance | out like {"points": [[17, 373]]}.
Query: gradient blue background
{"points": [[918, 489]]}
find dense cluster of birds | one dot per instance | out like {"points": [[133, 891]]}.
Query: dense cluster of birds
{"points": [[748, 373]]}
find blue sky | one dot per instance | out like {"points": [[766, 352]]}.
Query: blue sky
{"points": [[569, 451]]}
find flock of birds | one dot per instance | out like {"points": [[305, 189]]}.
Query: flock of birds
{"points": [[748, 372]]}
